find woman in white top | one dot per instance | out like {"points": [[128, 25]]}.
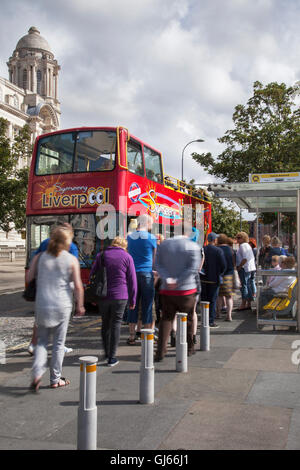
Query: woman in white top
{"points": [[245, 264], [54, 270]]}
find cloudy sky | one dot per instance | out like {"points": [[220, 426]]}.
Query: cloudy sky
{"points": [[171, 71]]}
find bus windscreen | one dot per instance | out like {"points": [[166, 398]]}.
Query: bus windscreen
{"points": [[76, 152]]}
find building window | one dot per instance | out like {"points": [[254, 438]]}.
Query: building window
{"points": [[25, 79], [39, 81], [16, 101]]}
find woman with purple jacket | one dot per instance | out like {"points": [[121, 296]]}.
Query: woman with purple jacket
{"points": [[121, 288]]}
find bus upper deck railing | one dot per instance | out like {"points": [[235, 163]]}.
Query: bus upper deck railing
{"points": [[187, 189]]}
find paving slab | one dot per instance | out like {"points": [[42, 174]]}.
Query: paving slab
{"points": [[222, 384], [211, 425], [293, 442], [241, 340], [262, 359], [276, 389], [286, 341]]}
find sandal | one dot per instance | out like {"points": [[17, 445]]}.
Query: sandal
{"points": [[131, 342], [35, 385], [61, 383]]}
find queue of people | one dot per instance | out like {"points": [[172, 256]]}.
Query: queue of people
{"points": [[148, 275]]}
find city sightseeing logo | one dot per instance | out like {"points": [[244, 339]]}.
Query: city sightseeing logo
{"points": [[157, 204], [55, 194]]}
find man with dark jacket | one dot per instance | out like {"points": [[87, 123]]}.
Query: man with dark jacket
{"points": [[213, 270]]}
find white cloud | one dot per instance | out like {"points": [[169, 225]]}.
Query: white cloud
{"points": [[171, 71]]}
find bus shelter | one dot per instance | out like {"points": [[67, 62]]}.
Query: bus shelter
{"points": [[280, 197]]}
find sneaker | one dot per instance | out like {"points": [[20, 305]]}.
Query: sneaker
{"points": [[214, 325], [138, 336], [113, 361], [158, 358], [68, 350]]}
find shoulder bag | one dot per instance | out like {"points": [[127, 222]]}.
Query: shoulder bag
{"points": [[97, 287]]}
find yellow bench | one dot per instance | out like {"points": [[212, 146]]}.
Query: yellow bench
{"points": [[283, 303]]}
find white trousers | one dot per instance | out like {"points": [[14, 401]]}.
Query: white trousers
{"points": [[39, 367]]}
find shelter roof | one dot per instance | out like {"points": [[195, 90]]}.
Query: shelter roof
{"points": [[264, 197]]}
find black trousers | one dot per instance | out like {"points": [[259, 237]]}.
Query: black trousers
{"points": [[112, 316]]}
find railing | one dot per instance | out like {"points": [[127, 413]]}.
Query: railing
{"points": [[11, 254], [185, 188]]}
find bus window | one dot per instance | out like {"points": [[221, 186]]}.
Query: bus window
{"points": [[39, 228], [84, 226], [55, 154], [153, 165], [135, 158], [95, 151]]}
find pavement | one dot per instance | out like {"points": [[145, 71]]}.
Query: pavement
{"points": [[243, 394], [12, 276]]}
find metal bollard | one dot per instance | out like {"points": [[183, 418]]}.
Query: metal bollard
{"points": [[204, 328], [87, 410], [181, 343], [147, 368]]}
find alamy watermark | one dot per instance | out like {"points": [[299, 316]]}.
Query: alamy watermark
{"points": [[296, 354], [177, 219], [2, 353]]}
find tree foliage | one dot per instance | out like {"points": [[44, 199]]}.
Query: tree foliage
{"points": [[226, 219], [265, 139], [13, 181]]}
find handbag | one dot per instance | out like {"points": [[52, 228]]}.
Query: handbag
{"points": [[236, 280], [30, 291], [97, 287]]}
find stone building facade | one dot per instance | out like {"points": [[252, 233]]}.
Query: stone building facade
{"points": [[30, 96]]}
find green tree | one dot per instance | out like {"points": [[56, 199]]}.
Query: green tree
{"points": [[13, 182], [265, 139], [226, 219]]}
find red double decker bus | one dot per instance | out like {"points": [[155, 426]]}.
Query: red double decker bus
{"points": [[97, 179]]}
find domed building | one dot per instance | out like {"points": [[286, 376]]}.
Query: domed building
{"points": [[30, 96]]}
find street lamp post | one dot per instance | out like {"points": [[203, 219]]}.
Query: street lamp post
{"points": [[197, 140]]}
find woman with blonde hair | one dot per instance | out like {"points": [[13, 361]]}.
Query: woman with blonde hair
{"points": [[54, 270], [121, 288], [245, 264]]}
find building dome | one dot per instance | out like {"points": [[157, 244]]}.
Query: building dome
{"points": [[33, 40]]}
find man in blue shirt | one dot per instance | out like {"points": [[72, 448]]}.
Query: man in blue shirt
{"points": [[44, 245], [142, 248]]}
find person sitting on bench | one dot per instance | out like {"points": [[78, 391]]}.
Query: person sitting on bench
{"points": [[278, 284]]}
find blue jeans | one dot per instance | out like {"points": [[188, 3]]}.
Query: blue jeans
{"points": [[252, 284], [145, 295], [245, 278], [209, 292]]}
